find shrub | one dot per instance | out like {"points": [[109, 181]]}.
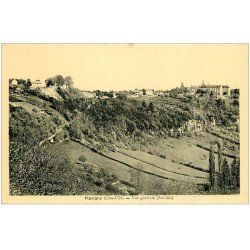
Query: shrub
{"points": [[112, 188], [35, 171], [14, 99], [82, 158]]}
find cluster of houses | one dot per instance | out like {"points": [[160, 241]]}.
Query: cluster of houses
{"points": [[142, 92], [128, 93], [33, 84]]}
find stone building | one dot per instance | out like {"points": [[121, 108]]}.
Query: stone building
{"points": [[14, 82], [36, 84], [88, 94], [148, 92], [217, 90]]}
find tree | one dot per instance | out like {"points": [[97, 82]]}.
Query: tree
{"points": [[50, 82], [21, 81], [69, 81], [144, 104], [211, 166], [28, 83], [59, 80], [131, 127], [220, 156], [151, 107], [98, 93], [225, 175], [235, 174]]}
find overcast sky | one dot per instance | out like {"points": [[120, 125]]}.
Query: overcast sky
{"points": [[128, 66]]}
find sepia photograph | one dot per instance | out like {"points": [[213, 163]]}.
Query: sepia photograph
{"points": [[125, 123]]}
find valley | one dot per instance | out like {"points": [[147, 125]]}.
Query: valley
{"points": [[116, 146]]}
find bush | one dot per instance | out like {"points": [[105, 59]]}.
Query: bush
{"points": [[82, 158], [36, 171], [14, 99], [112, 188], [163, 156]]}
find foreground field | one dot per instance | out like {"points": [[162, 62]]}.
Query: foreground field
{"points": [[165, 177]]}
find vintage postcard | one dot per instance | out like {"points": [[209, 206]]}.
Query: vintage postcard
{"points": [[125, 123]]}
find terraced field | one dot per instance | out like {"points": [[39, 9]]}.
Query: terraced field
{"points": [[185, 151], [182, 170], [165, 164], [162, 168], [175, 178]]}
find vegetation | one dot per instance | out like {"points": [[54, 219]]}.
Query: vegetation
{"points": [[37, 170], [225, 176], [59, 81], [211, 166], [25, 125], [103, 124], [235, 174]]}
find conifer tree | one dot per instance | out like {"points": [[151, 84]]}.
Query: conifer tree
{"points": [[211, 166], [235, 174], [220, 157], [225, 175]]}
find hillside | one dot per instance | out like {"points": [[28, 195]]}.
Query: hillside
{"points": [[63, 143]]}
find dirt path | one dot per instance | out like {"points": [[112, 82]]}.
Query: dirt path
{"points": [[58, 130], [52, 136]]}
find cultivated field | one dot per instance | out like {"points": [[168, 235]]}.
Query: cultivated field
{"points": [[173, 178]]}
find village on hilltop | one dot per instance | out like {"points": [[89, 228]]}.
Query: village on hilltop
{"points": [[217, 90]]}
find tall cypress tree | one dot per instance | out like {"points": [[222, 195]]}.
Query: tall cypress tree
{"points": [[220, 157], [211, 166], [225, 175], [235, 174]]}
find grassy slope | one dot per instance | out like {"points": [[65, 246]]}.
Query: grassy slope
{"points": [[166, 164], [185, 151], [73, 150]]}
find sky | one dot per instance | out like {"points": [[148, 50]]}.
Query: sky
{"points": [[128, 66]]}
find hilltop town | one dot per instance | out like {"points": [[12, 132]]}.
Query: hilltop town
{"points": [[141, 141], [217, 90]]}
